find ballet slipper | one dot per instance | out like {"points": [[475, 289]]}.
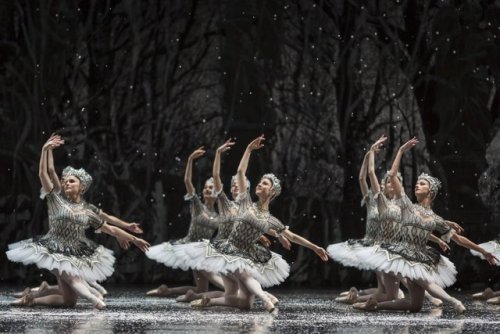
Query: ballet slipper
{"points": [[458, 306], [188, 297], [22, 293], [494, 300], [269, 306], [272, 298], [486, 294], [350, 298], [344, 293], [200, 303], [162, 290], [435, 301], [26, 300]]}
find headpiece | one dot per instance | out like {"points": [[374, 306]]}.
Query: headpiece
{"points": [[276, 183], [81, 174], [434, 183]]}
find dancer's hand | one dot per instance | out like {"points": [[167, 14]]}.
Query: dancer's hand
{"points": [[135, 228], [378, 144], [444, 246], [124, 244], [284, 242], [265, 241], [321, 252], [197, 153], [409, 144], [53, 142], [143, 245], [256, 144], [459, 229], [226, 146], [492, 259]]}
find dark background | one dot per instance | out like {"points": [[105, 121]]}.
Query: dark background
{"points": [[135, 86]]}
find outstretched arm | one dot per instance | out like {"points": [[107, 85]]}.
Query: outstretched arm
{"points": [[256, 144], [188, 175], [124, 236], [297, 239], [216, 167], [464, 242], [396, 184], [132, 227]]}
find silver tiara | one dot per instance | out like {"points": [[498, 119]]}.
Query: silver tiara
{"points": [[210, 180], [398, 175], [276, 183], [235, 177], [434, 183], [81, 174]]}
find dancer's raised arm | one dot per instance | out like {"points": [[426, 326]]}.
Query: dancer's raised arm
{"points": [[216, 167], [188, 175], [256, 144], [51, 168], [396, 183], [375, 186], [43, 172]]}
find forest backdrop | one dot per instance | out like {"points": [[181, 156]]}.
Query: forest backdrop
{"points": [[135, 86]]}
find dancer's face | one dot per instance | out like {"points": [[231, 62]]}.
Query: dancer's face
{"points": [[71, 186], [422, 189], [234, 189], [208, 190], [388, 189], [264, 189]]}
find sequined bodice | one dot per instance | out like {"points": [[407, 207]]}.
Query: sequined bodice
{"points": [[372, 217], [251, 223], [418, 223], [389, 219], [68, 221], [204, 221], [228, 211]]}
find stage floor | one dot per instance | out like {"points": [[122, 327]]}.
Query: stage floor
{"points": [[304, 311]]}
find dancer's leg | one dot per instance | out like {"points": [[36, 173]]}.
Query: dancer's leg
{"points": [[98, 287], [413, 303], [165, 291], [255, 288], [388, 289], [80, 287], [231, 297], [438, 292]]}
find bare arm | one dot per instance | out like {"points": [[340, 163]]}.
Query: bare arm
{"points": [[443, 245], [132, 227], [121, 234], [396, 184], [464, 242], [363, 185], [243, 166], [297, 239], [371, 163], [43, 173], [216, 167], [188, 175], [52, 171]]}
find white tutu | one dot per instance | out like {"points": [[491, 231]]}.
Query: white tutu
{"points": [[164, 253], [378, 259], [348, 254], [93, 268], [203, 256], [492, 247]]}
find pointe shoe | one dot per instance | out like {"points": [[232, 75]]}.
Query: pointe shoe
{"points": [[351, 297], [494, 300], [486, 294], [26, 300], [435, 301], [162, 290], [272, 298], [188, 297], [200, 303], [345, 293], [458, 306]]}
